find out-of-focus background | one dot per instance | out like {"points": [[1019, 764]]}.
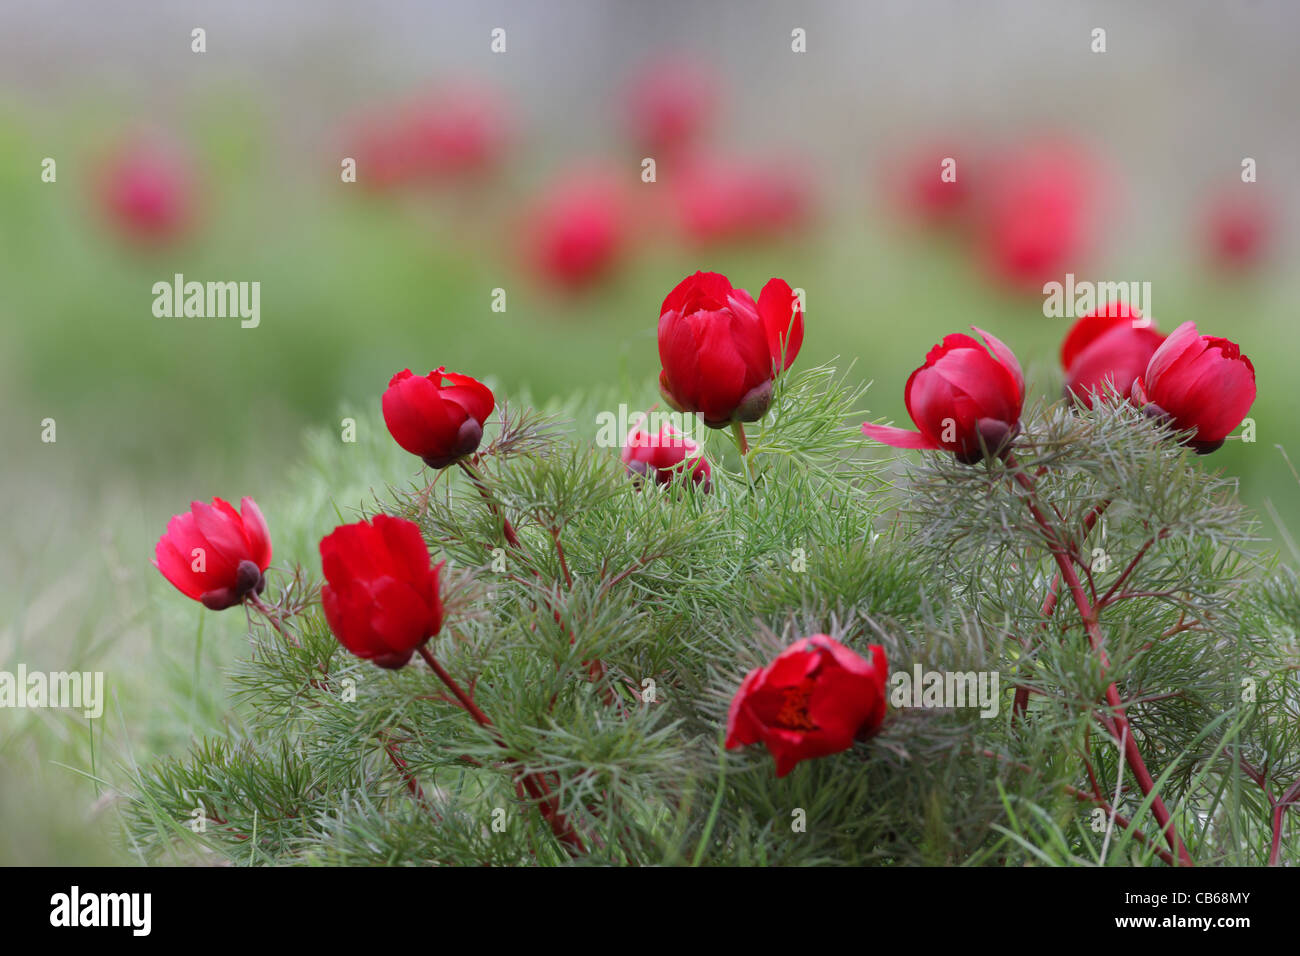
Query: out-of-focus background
{"points": [[522, 171]]}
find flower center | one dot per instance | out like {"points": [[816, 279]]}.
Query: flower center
{"points": [[794, 710]]}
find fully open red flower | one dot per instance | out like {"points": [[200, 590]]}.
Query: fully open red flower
{"points": [[439, 422], [960, 396], [665, 456], [1198, 381], [1110, 344], [215, 554], [815, 699], [721, 351], [381, 597]]}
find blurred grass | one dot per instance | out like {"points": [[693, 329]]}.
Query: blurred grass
{"points": [[155, 412]]}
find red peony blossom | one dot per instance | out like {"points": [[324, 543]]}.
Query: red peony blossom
{"points": [[727, 201], [1197, 381], [670, 102], [815, 699], [721, 351], [1239, 229], [578, 231], [916, 188], [439, 422], [215, 554], [665, 456], [1111, 346], [1037, 214], [381, 595], [146, 191], [961, 396]]}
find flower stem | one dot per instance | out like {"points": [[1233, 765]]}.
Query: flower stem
{"points": [[477, 479], [738, 429], [273, 618], [533, 783], [1121, 728]]}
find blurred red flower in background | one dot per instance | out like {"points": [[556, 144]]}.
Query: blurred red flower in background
{"points": [[381, 596], [670, 102], [146, 190], [718, 200], [450, 134], [1113, 345], [813, 700], [918, 187], [1036, 212], [215, 554], [1239, 228], [578, 229]]}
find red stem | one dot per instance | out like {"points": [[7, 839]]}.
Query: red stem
{"points": [[535, 784], [1097, 640]]}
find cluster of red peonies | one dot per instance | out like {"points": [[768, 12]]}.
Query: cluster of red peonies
{"points": [[215, 554], [381, 595], [146, 191], [965, 399], [816, 698], [721, 351], [439, 416], [665, 457]]}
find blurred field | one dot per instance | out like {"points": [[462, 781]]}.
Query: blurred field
{"points": [[152, 413]]}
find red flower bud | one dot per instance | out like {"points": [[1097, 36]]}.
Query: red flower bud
{"points": [[381, 597], [438, 422], [664, 457], [214, 554], [960, 397], [1114, 346], [721, 351], [815, 699], [1198, 381]]}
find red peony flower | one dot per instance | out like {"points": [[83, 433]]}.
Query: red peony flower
{"points": [[381, 597], [665, 456], [915, 187], [1239, 229], [146, 191], [578, 231], [438, 422], [1197, 381], [1037, 214], [215, 554], [815, 699], [670, 102], [721, 351], [960, 396], [1113, 346]]}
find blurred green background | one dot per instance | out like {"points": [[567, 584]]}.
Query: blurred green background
{"points": [[359, 283]]}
